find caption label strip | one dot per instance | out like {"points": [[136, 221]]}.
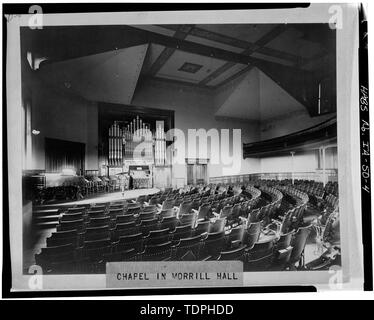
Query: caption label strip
{"points": [[174, 274]]}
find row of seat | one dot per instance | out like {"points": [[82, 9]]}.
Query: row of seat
{"points": [[239, 244], [169, 216]]}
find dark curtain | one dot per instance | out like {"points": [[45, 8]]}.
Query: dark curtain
{"points": [[61, 154]]}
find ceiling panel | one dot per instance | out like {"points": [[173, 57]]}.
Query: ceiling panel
{"points": [[257, 97], [109, 77], [246, 32], [214, 44], [291, 41], [225, 75], [273, 59], [154, 28], [175, 62], [153, 52]]}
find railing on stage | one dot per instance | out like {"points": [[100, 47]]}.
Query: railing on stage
{"points": [[317, 176]]}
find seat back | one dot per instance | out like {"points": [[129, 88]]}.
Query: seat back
{"points": [[225, 211], [133, 241], [71, 225], [76, 210], [113, 213], [96, 213], [188, 220], [94, 250], [260, 257], [236, 254], [150, 208], [147, 225], [127, 255], [217, 226], [97, 222], [58, 258], [181, 232], [212, 245], [205, 211], [96, 233], [298, 243], [154, 201], [168, 204], [125, 218], [169, 222], [185, 245], [284, 240], [72, 216], [133, 209], [157, 237], [252, 234], [202, 227], [147, 215], [236, 236], [166, 213], [185, 208], [156, 252]]}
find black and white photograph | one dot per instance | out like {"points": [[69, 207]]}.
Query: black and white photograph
{"points": [[218, 146]]}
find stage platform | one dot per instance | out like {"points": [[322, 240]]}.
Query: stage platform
{"points": [[106, 197]]}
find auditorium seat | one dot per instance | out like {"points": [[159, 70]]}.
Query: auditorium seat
{"points": [[98, 207], [71, 225], [217, 226], [204, 212], [185, 208], [76, 210], [154, 201], [236, 237], [168, 204], [157, 237], [158, 252], [126, 255], [58, 259], [184, 245], [147, 215], [131, 241], [100, 221], [169, 222], [188, 220], [63, 238], [124, 229], [260, 256], [97, 233], [235, 254], [150, 208], [181, 232], [213, 243], [113, 213], [298, 244], [147, 225], [92, 253], [252, 234], [225, 211], [125, 218], [195, 204], [72, 217], [96, 213], [133, 209], [167, 213], [201, 227]]}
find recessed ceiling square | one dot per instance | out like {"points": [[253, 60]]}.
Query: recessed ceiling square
{"points": [[190, 67]]}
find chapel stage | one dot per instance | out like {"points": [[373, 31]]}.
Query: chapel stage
{"points": [[107, 197]]}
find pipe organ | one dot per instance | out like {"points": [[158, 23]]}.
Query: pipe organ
{"points": [[139, 143]]}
